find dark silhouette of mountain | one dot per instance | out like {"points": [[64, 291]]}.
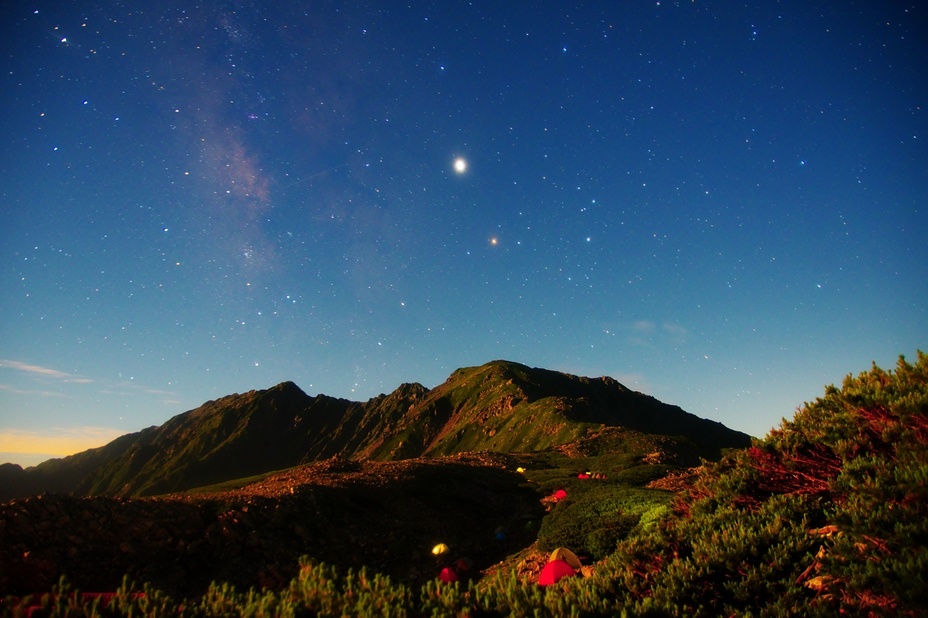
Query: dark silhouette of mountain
{"points": [[500, 406]]}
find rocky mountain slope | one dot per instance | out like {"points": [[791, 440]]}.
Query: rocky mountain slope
{"points": [[500, 406]]}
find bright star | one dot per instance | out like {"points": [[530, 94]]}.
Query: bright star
{"points": [[460, 165]]}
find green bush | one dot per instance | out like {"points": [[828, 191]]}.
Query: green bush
{"points": [[593, 520], [641, 475], [828, 514]]}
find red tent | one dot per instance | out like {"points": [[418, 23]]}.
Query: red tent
{"points": [[448, 575], [555, 571], [559, 495]]}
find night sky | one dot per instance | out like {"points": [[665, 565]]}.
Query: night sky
{"points": [[720, 205]]}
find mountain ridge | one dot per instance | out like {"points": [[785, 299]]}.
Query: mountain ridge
{"points": [[500, 406], [823, 516]]}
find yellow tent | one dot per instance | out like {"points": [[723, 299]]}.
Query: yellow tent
{"points": [[440, 549]]}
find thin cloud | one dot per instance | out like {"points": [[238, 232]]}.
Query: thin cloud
{"points": [[641, 332], [675, 330], [44, 372], [649, 332], [32, 393], [107, 387], [129, 389], [158, 391]]}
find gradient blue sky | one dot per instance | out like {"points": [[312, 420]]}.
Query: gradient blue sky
{"points": [[718, 204]]}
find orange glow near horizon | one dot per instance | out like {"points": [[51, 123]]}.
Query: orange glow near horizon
{"points": [[22, 445]]}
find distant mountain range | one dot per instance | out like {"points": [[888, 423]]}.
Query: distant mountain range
{"points": [[500, 406]]}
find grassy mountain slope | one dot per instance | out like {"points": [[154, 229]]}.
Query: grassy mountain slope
{"points": [[825, 516], [500, 406], [234, 436], [507, 403]]}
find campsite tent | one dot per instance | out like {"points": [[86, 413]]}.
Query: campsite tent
{"points": [[555, 571], [463, 565], [559, 495], [562, 553], [440, 549], [448, 575]]}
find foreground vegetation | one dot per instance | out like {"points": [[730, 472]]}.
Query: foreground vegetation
{"points": [[828, 514]]}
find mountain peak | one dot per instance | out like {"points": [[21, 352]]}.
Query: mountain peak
{"points": [[288, 385], [501, 406]]}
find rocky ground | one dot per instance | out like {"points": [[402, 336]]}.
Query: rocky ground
{"points": [[385, 515]]}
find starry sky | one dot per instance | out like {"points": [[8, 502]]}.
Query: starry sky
{"points": [[720, 204]]}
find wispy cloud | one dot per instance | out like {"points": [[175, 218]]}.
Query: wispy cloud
{"points": [[32, 393], [158, 391], [649, 332], [45, 372], [674, 330], [120, 388]]}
